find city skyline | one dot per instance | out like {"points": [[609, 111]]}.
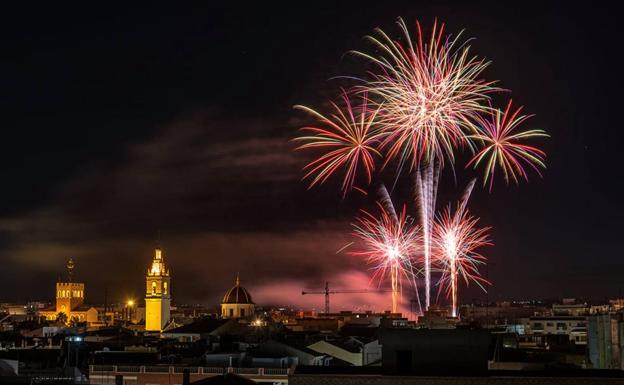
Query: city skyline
{"points": [[130, 144]]}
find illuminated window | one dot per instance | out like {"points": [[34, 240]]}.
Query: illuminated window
{"points": [[153, 287], [165, 287]]}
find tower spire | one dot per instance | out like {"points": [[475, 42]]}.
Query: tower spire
{"points": [[237, 279], [70, 268]]}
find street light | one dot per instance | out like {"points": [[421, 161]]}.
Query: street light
{"points": [[129, 305]]}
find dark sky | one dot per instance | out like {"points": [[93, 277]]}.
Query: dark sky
{"points": [[118, 123]]}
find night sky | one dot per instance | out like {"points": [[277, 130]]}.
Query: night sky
{"points": [[120, 124]]}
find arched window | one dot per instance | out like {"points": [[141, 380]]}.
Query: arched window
{"points": [[242, 312], [153, 287]]}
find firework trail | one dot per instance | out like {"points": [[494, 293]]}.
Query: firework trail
{"points": [[390, 244], [348, 140], [463, 202], [501, 148], [386, 202], [426, 185], [456, 240]]}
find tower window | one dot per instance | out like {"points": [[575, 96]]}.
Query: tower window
{"points": [[153, 287], [165, 287]]}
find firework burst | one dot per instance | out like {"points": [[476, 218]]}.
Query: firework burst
{"points": [[456, 240], [348, 139], [431, 97], [502, 148], [431, 94], [390, 246]]}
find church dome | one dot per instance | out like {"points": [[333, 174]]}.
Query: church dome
{"points": [[237, 294]]}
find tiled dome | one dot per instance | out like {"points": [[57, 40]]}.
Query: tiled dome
{"points": [[237, 294]]}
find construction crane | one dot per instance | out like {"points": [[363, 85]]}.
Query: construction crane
{"points": [[328, 292]]}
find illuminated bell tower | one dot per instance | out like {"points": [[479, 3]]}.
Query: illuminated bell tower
{"points": [[157, 294], [69, 295]]}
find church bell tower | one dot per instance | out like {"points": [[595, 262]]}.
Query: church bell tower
{"points": [[157, 294]]}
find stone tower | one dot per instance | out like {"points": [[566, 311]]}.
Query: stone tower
{"points": [[157, 294]]}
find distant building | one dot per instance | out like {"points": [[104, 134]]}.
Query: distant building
{"points": [[202, 328], [237, 302], [70, 301], [606, 341], [571, 309], [575, 327], [157, 294], [350, 350]]}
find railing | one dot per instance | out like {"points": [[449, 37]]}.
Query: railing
{"points": [[129, 369], [181, 369], [275, 372], [255, 371], [192, 370], [155, 369], [211, 370]]}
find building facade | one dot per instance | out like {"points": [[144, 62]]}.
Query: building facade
{"points": [[606, 341], [157, 294]]}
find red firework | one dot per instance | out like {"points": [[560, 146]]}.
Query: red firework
{"points": [[501, 147], [348, 140]]}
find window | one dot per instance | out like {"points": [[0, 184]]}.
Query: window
{"points": [[231, 312], [153, 287], [242, 312], [165, 287]]}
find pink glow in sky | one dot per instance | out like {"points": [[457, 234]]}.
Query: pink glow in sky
{"points": [[288, 293]]}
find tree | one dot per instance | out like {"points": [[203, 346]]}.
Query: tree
{"points": [[61, 318]]}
